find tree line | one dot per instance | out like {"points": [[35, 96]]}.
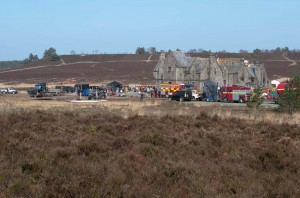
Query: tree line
{"points": [[48, 54], [52, 55], [152, 50]]}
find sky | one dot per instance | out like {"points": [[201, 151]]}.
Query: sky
{"points": [[119, 26]]}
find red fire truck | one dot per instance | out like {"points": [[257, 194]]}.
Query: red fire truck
{"points": [[234, 93]]}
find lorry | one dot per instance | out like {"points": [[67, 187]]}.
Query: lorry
{"points": [[8, 91], [234, 93], [41, 90]]}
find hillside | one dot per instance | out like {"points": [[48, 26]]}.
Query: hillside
{"points": [[129, 68]]}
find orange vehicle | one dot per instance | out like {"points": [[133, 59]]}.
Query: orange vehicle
{"points": [[170, 89]]}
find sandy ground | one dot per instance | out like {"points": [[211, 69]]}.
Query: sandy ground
{"points": [[154, 107]]}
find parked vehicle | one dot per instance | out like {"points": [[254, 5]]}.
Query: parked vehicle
{"points": [[94, 87], [8, 91], [97, 94], [169, 89], [82, 89], [66, 89], [182, 95], [41, 90], [196, 95], [235, 93]]}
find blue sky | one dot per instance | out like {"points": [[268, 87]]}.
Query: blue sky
{"points": [[119, 26]]}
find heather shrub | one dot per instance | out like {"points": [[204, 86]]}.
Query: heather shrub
{"points": [[99, 154]]}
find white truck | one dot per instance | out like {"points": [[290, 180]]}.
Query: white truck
{"points": [[8, 91]]}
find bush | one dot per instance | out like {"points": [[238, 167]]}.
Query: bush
{"points": [[256, 98], [290, 98]]}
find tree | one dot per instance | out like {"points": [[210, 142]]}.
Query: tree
{"points": [[243, 51], [286, 49], [257, 51], [51, 53], [31, 58], [290, 98], [278, 49], [73, 52], [256, 98], [151, 50], [223, 51], [140, 50]]}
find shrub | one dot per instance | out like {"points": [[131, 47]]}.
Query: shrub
{"points": [[256, 98], [290, 98]]}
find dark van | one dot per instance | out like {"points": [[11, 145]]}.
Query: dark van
{"points": [[182, 95]]}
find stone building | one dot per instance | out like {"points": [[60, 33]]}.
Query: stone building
{"points": [[177, 67]]}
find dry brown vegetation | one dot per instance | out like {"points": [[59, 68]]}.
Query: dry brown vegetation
{"points": [[124, 148], [126, 68]]}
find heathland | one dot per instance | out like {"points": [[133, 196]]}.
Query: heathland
{"points": [[128, 68], [127, 148]]}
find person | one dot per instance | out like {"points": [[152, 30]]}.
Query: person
{"points": [[141, 97], [78, 91]]}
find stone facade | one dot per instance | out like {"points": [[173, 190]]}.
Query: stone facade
{"points": [[177, 67]]}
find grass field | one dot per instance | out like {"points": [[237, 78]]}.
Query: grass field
{"points": [[126, 148]]}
